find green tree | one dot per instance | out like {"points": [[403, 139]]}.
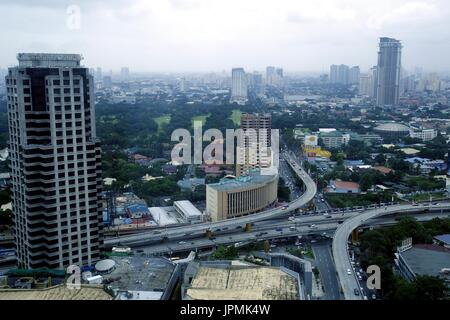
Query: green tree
{"points": [[266, 246], [430, 288]]}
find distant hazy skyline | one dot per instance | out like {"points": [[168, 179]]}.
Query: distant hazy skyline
{"points": [[216, 35]]}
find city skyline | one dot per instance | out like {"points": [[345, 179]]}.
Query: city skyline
{"points": [[207, 36]]}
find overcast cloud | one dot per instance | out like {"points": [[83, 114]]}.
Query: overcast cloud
{"points": [[215, 35]]}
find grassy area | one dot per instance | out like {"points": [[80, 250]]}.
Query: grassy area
{"points": [[425, 183], [301, 253], [160, 121], [200, 118], [236, 117], [426, 196], [309, 253], [352, 200], [109, 119]]}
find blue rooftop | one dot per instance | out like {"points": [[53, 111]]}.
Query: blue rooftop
{"points": [[445, 238]]}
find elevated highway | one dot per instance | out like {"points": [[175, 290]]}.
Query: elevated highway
{"points": [[289, 229], [349, 282], [304, 199]]}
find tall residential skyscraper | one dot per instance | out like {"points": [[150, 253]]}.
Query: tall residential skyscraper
{"points": [[334, 73], [340, 74], [353, 76], [238, 86], [366, 85], [261, 136], [124, 73], [274, 76], [98, 74], [270, 74], [55, 161], [388, 69]]}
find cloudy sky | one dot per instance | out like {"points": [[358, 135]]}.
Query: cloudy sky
{"points": [[215, 35]]}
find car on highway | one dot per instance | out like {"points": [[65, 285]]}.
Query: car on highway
{"points": [[279, 229], [349, 272], [182, 242], [356, 291]]}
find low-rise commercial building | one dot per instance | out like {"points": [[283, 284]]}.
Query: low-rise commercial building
{"points": [[234, 197], [141, 278], [332, 140], [423, 259], [424, 135], [233, 280], [188, 211]]}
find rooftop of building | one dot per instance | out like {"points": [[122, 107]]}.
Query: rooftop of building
{"points": [[392, 127], [187, 208], [139, 273], [383, 169], [47, 60], [445, 238], [238, 282], [231, 183], [427, 259], [345, 184], [61, 292]]}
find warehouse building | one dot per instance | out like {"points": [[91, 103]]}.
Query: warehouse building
{"points": [[188, 211]]}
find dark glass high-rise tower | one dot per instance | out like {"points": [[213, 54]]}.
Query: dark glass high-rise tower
{"points": [[55, 161], [388, 72]]}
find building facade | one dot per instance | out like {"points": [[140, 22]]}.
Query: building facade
{"points": [[340, 74], [238, 86], [332, 140], [235, 197], [388, 72], [366, 85], [255, 152], [424, 135], [353, 76], [55, 161]]}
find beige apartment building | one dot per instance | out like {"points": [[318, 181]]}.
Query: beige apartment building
{"points": [[258, 131]]}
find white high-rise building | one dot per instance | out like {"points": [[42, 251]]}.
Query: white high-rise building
{"points": [[98, 74], [388, 69], [353, 77], [238, 86], [124, 73], [366, 85], [256, 149], [55, 161], [340, 74]]}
